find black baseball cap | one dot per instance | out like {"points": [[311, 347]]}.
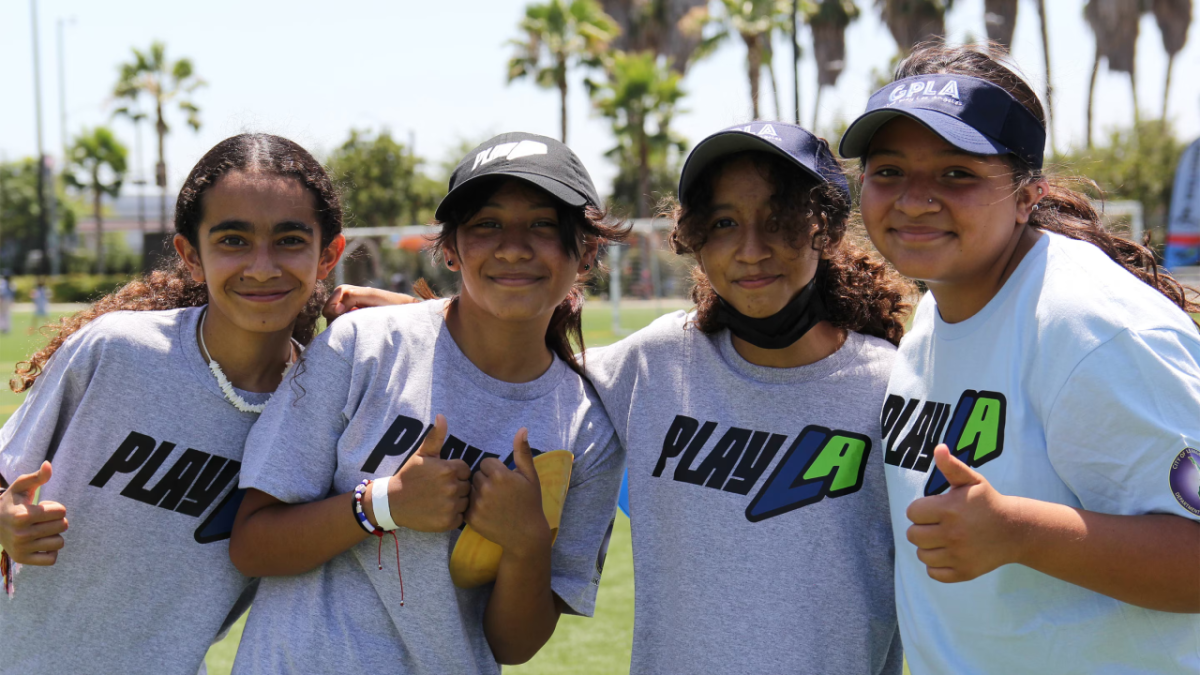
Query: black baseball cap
{"points": [[789, 141], [971, 114], [540, 160]]}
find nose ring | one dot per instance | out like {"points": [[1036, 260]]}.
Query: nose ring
{"points": [[931, 200]]}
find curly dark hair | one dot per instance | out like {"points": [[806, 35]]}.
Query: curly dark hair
{"points": [[173, 287], [577, 227], [860, 291], [1063, 210]]}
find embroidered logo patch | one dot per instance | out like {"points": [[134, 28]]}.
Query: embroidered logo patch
{"points": [[1185, 479]]}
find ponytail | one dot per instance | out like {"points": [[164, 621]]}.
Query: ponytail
{"points": [[564, 335], [1070, 213]]}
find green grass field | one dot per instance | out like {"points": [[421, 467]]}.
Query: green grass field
{"points": [[16, 346]]}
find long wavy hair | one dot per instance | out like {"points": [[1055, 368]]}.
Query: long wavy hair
{"points": [[173, 287], [860, 291], [1063, 210], [578, 227]]}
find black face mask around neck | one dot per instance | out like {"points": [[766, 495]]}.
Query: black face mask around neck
{"points": [[781, 329]]}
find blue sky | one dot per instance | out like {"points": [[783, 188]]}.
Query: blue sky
{"points": [[310, 71]]}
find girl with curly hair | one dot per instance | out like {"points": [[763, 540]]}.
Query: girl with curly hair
{"points": [[141, 404]]}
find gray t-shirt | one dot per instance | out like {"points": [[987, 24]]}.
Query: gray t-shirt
{"points": [[146, 452], [761, 537], [364, 395]]}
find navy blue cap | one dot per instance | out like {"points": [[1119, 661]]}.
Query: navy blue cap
{"points": [[540, 160], [789, 141], [971, 114]]}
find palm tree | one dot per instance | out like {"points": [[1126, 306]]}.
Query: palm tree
{"points": [[755, 21], [829, 19], [97, 165], [151, 74], [136, 116], [1114, 24], [670, 28], [1000, 18], [914, 21], [560, 34], [639, 97], [1173, 17]]}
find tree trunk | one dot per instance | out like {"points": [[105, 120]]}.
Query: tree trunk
{"points": [[1167, 86], [1092, 95], [562, 95], [1137, 116], [99, 223], [643, 205], [754, 66], [774, 84], [796, 57], [160, 171], [1041, 5], [816, 108]]}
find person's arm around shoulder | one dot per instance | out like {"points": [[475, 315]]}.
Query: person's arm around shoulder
{"points": [[272, 537], [347, 298], [1113, 432]]}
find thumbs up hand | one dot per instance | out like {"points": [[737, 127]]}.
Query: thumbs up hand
{"points": [[506, 506], [429, 493], [31, 533], [969, 530]]}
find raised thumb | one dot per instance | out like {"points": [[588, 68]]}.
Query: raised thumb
{"points": [[30, 482], [956, 472], [432, 445], [523, 455]]}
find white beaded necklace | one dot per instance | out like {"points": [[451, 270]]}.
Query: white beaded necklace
{"points": [[231, 394]]}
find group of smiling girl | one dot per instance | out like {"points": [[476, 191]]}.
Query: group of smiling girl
{"points": [[1013, 509]]}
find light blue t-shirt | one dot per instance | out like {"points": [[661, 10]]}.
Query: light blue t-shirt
{"points": [[1077, 384]]}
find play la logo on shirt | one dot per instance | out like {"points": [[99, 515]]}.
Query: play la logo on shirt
{"points": [[974, 432], [1185, 479]]}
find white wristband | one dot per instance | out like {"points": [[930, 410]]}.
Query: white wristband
{"points": [[379, 504]]}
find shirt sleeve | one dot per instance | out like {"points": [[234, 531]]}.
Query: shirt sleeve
{"points": [[291, 452], [612, 370], [586, 525], [1119, 426], [34, 431]]}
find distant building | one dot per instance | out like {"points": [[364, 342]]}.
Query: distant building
{"points": [[139, 223]]}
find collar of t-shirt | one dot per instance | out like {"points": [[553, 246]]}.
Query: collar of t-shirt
{"points": [[813, 371], [962, 329], [464, 368]]}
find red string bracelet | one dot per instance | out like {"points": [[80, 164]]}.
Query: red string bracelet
{"points": [[365, 523], [7, 569]]}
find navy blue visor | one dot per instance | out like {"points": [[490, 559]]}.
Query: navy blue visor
{"points": [[971, 114], [811, 154]]}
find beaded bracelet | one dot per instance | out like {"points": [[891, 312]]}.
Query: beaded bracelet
{"points": [[361, 517], [365, 524]]}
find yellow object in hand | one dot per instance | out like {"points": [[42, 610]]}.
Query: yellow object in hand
{"points": [[476, 560]]}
